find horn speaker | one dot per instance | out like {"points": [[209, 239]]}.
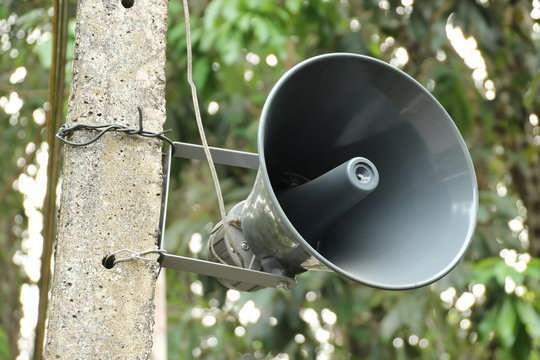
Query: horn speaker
{"points": [[361, 171]]}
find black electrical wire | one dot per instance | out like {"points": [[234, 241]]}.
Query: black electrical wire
{"points": [[66, 131]]}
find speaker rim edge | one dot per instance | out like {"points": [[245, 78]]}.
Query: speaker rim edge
{"points": [[307, 247]]}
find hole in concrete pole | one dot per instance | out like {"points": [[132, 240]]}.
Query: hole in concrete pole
{"points": [[127, 3], [108, 261]]}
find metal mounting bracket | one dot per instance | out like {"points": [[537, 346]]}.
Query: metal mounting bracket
{"points": [[204, 267]]}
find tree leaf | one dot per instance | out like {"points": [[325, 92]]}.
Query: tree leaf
{"points": [[530, 94], [506, 323], [530, 317]]}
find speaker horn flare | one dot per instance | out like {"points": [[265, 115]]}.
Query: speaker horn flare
{"points": [[402, 219]]}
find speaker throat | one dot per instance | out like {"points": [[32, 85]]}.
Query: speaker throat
{"points": [[315, 205], [291, 179]]}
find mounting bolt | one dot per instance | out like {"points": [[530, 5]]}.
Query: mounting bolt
{"points": [[244, 246], [282, 286]]}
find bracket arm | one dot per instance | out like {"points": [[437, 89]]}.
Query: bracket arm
{"points": [[224, 271], [219, 155]]}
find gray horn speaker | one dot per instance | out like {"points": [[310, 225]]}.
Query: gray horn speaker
{"points": [[361, 172]]}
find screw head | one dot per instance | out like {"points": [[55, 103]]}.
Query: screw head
{"points": [[282, 286], [244, 246]]}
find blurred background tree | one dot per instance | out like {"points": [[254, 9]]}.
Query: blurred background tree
{"points": [[480, 59]]}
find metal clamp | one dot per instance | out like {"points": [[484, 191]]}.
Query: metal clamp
{"points": [[204, 267]]}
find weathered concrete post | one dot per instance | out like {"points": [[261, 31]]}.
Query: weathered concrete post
{"points": [[111, 191]]}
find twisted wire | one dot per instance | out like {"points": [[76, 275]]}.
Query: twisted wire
{"points": [[66, 131]]}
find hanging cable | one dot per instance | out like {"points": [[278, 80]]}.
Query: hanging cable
{"points": [[201, 128]]}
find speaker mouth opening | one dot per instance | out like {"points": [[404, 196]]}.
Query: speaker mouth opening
{"points": [[300, 144]]}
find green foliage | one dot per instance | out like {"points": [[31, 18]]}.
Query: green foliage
{"points": [[5, 351], [501, 322], [487, 308], [25, 32]]}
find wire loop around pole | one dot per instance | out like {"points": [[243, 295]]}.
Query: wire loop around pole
{"points": [[111, 260], [66, 131]]}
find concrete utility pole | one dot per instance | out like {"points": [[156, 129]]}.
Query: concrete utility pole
{"points": [[111, 191]]}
